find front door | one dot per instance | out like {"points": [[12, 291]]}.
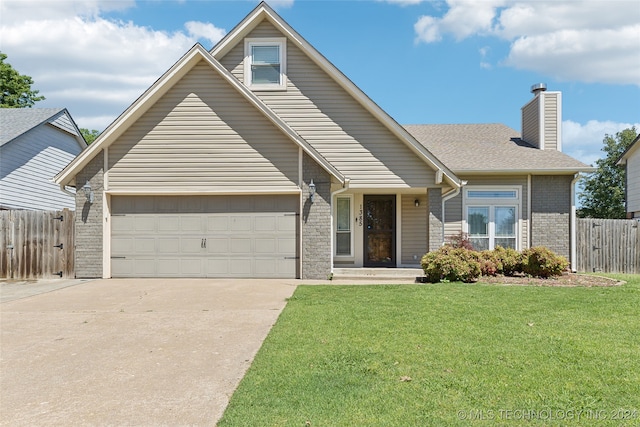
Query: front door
{"points": [[380, 231]]}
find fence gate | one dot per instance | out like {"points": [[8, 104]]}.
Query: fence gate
{"points": [[608, 245], [37, 244]]}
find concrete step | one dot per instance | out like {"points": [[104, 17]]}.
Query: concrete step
{"points": [[376, 273]]}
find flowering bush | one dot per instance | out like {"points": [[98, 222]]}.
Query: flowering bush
{"points": [[451, 264], [458, 264], [511, 261], [542, 262]]}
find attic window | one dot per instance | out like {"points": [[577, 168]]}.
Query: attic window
{"points": [[265, 64]]}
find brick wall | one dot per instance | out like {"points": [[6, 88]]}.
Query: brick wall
{"points": [[89, 221], [436, 238], [551, 213], [316, 222]]}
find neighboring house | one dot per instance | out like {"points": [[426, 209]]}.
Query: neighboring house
{"points": [[630, 159], [261, 159], [35, 144]]}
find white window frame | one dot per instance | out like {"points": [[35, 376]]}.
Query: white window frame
{"points": [[491, 203], [351, 226], [281, 42]]}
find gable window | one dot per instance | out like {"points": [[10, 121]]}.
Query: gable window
{"points": [[492, 217], [343, 226], [265, 64]]}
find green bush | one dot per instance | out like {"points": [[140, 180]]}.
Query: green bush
{"points": [[542, 262], [451, 264], [490, 263], [512, 261]]}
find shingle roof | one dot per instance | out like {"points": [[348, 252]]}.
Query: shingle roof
{"points": [[489, 148], [16, 121]]}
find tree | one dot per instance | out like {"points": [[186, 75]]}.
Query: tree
{"points": [[603, 190], [89, 135], [16, 88]]}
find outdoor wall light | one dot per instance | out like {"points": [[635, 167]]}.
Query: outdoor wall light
{"points": [[87, 192], [417, 202], [312, 190]]}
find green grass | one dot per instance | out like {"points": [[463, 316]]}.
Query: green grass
{"points": [[499, 355]]}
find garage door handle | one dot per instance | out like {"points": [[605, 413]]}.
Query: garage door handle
{"points": [[203, 243]]}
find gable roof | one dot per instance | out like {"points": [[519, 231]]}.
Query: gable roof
{"points": [[17, 121], [159, 88], [491, 148], [635, 145], [262, 12]]}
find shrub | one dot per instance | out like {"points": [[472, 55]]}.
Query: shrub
{"points": [[542, 262], [451, 264], [460, 240], [490, 263], [511, 261]]}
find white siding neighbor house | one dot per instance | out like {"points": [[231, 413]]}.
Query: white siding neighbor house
{"points": [[630, 159], [260, 158], [35, 144]]}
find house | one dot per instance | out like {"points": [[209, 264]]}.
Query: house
{"points": [[260, 158], [630, 159], [35, 144]]}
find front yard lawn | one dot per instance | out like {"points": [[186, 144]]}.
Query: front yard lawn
{"points": [[448, 354]]}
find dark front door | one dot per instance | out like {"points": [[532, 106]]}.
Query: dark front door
{"points": [[380, 231]]}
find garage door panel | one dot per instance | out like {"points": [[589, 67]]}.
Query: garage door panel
{"points": [[241, 223], [122, 245], [218, 245], [218, 223], [145, 245], [168, 267], [265, 246], [265, 223], [286, 246], [240, 246], [204, 236]]}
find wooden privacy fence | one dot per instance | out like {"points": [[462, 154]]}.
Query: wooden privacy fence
{"points": [[608, 245], [37, 244]]}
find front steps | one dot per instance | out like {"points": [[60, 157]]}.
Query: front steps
{"points": [[409, 274]]}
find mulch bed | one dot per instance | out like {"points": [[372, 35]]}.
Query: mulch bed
{"points": [[566, 280]]}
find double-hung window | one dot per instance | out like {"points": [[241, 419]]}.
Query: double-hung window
{"points": [[265, 63], [492, 217], [343, 226]]}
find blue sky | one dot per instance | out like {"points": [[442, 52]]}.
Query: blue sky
{"points": [[452, 61]]}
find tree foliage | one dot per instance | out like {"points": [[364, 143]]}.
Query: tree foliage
{"points": [[603, 190], [89, 135], [16, 87]]}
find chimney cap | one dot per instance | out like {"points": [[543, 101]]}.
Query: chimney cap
{"points": [[538, 87]]}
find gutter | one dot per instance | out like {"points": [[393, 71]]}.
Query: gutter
{"points": [[63, 188], [345, 187]]}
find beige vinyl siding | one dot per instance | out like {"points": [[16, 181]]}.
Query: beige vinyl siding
{"points": [[203, 136], [413, 228], [551, 121], [633, 182], [453, 207], [531, 122], [335, 124]]}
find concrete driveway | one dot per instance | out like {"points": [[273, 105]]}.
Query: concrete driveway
{"points": [[132, 352]]}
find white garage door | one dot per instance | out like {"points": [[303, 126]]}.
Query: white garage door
{"points": [[204, 236]]}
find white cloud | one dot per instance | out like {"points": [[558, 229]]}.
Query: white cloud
{"points": [[403, 2], [89, 64], [590, 41], [584, 141]]}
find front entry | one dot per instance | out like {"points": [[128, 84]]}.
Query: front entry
{"points": [[380, 231]]}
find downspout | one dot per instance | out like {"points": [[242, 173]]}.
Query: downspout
{"points": [[344, 188], [450, 195], [574, 251]]}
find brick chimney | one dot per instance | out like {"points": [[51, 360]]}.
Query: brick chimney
{"points": [[542, 119]]}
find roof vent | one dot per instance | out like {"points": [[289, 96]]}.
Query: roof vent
{"points": [[538, 87]]}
